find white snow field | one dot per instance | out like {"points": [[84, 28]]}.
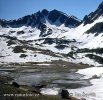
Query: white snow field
{"points": [[93, 92]]}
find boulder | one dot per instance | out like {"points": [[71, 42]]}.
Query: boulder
{"points": [[15, 84], [65, 94]]}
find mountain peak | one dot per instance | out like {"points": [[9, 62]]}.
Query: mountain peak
{"points": [[45, 12], [39, 18], [100, 6], [94, 15]]}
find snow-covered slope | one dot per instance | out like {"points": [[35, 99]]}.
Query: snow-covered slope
{"points": [[79, 41], [14, 51], [95, 91]]}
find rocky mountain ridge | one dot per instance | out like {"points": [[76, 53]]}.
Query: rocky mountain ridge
{"points": [[63, 37]]}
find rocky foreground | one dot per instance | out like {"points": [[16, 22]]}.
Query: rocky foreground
{"points": [[16, 92]]}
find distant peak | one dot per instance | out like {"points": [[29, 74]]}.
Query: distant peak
{"points": [[54, 10], [94, 15], [45, 12], [54, 17], [101, 5]]}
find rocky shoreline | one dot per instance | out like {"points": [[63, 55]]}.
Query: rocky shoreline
{"points": [[16, 92]]}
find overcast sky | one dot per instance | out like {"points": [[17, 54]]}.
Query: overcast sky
{"points": [[13, 9]]}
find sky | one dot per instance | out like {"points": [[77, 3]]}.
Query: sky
{"points": [[14, 9]]}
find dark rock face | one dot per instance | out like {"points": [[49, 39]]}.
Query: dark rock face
{"points": [[65, 94], [71, 22], [45, 12], [40, 17], [54, 15], [42, 28], [94, 15], [2, 23], [63, 18], [20, 32], [95, 58], [61, 47], [18, 49], [15, 84], [58, 41], [97, 28], [23, 55]]}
